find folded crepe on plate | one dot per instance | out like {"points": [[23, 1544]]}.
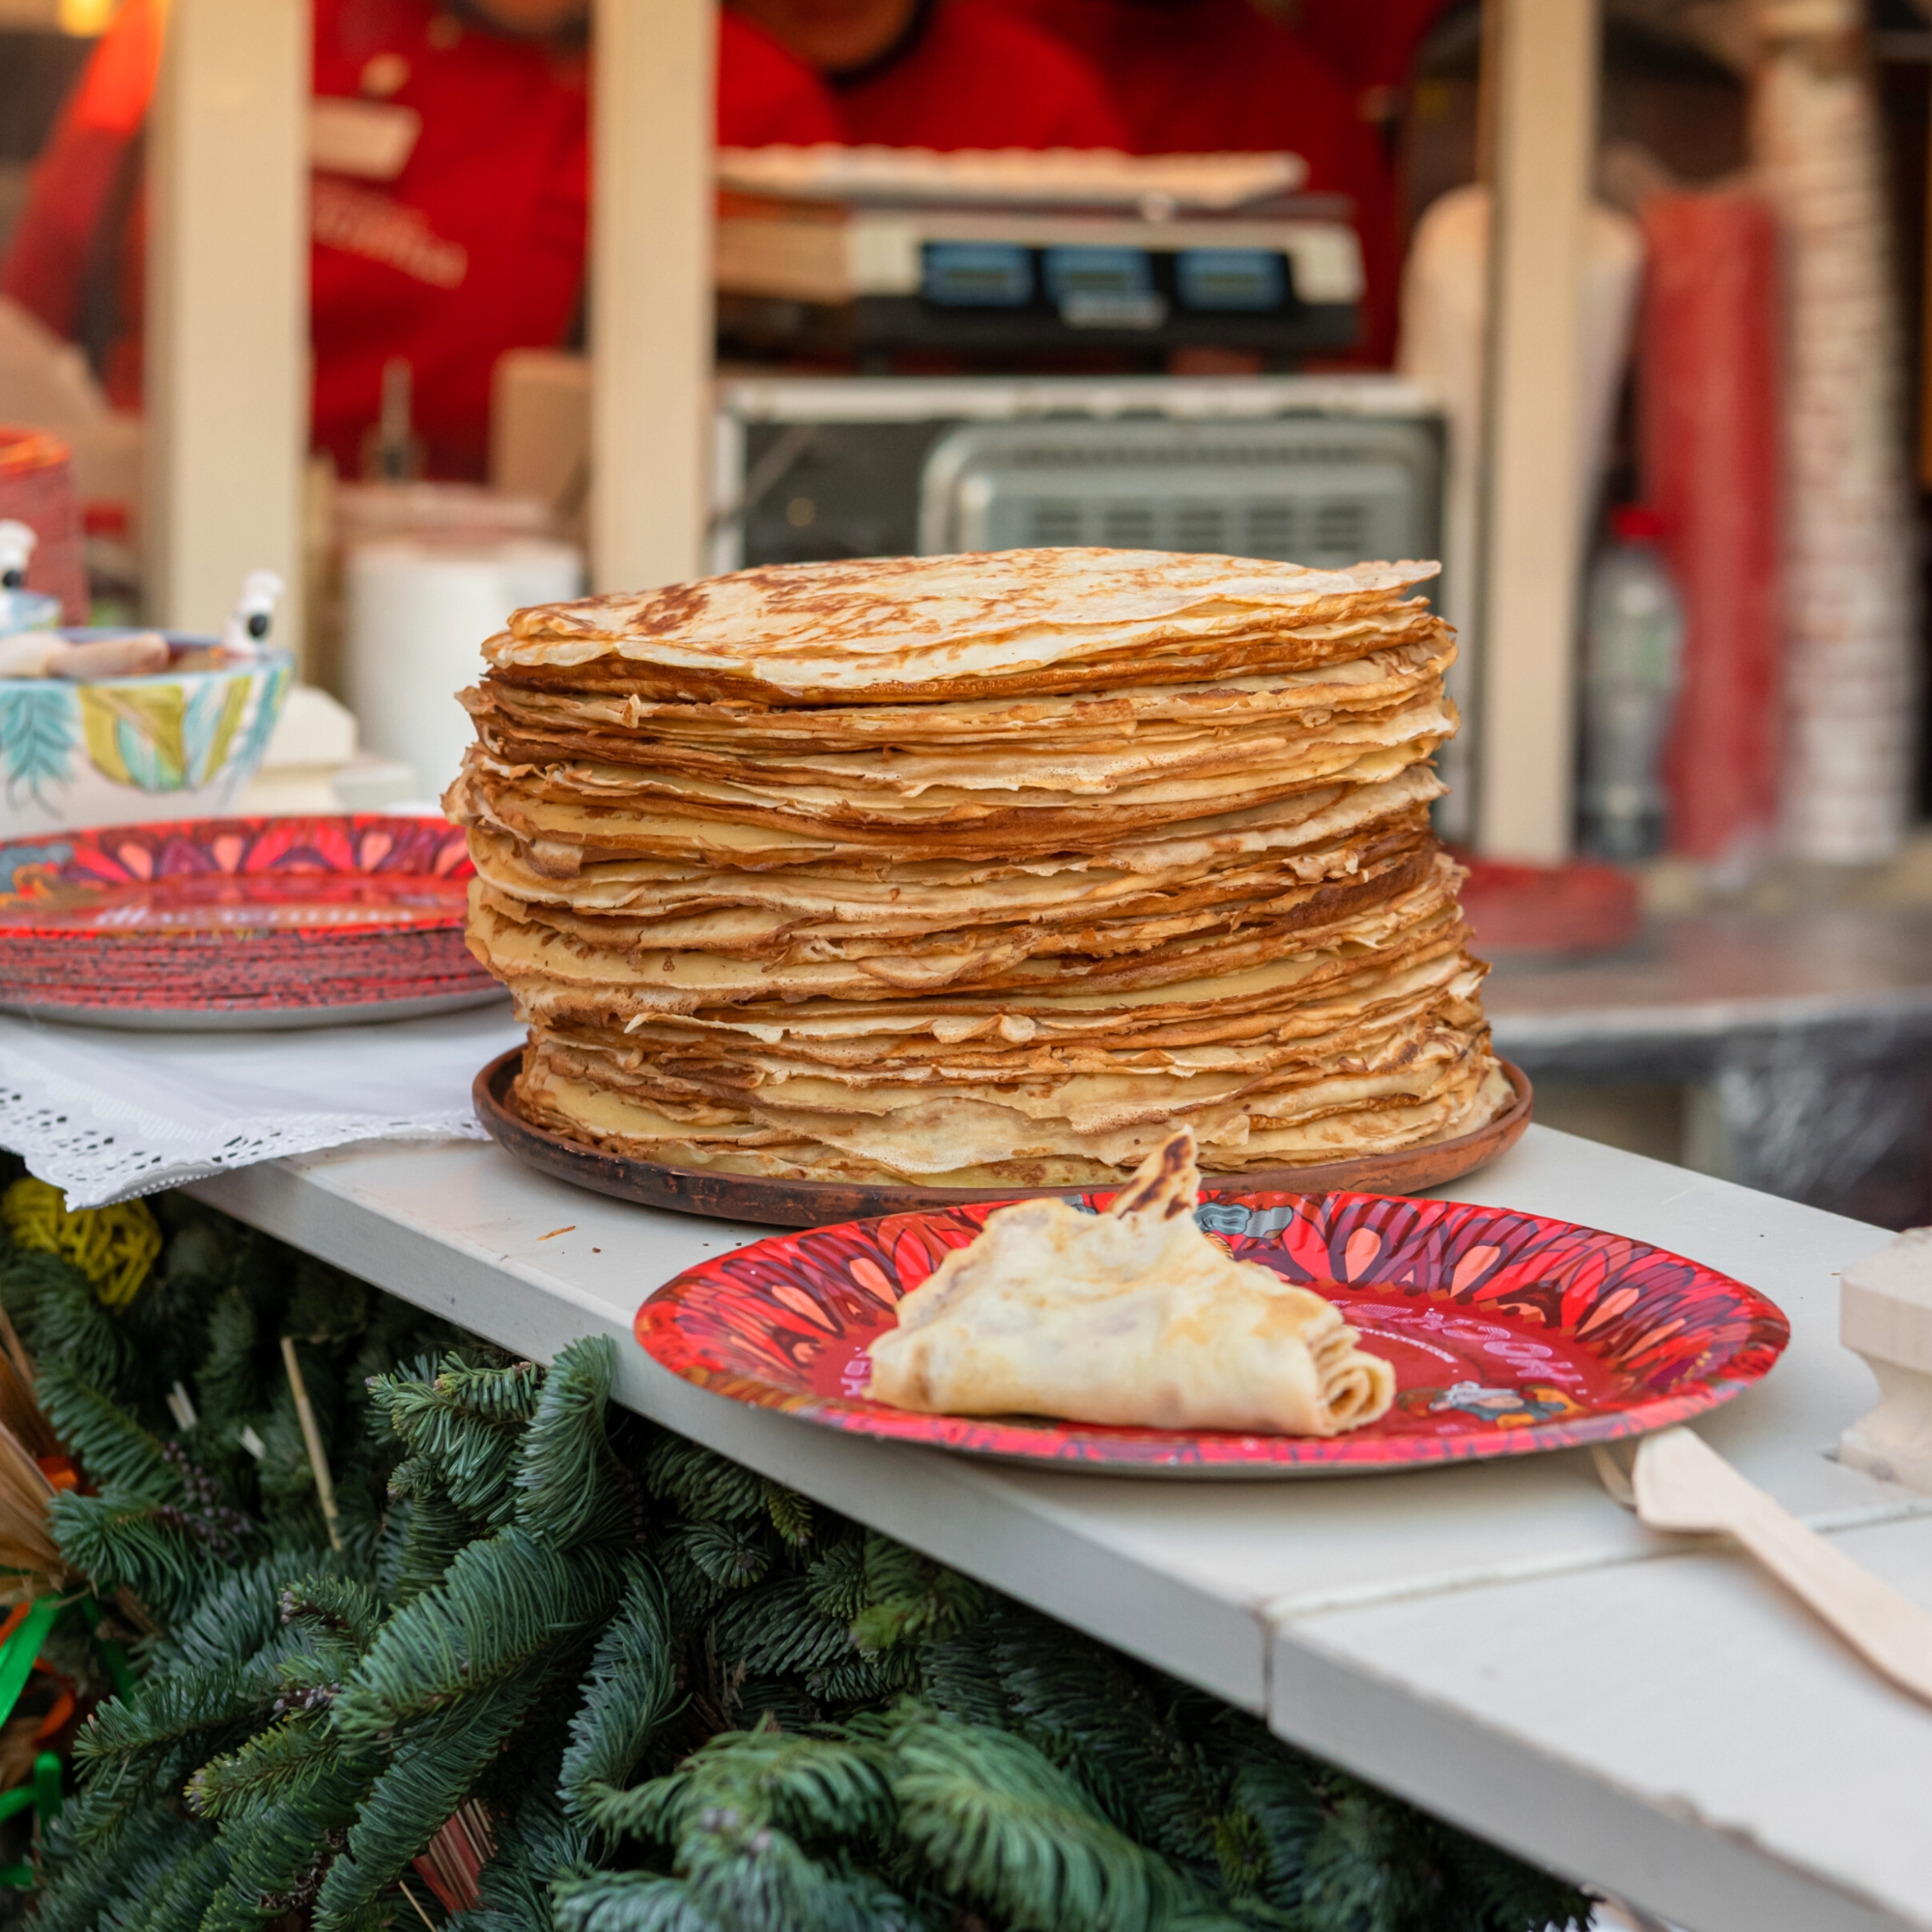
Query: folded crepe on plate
{"points": [[979, 870], [1133, 1316]]}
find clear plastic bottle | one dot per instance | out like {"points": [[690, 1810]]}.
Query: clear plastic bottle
{"points": [[1633, 664]]}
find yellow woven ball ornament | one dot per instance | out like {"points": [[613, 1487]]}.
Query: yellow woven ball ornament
{"points": [[113, 1247]]}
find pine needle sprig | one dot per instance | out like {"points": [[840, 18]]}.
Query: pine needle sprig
{"points": [[627, 1697], [539, 1847], [468, 1424], [779, 1630], [791, 1514], [431, 1770], [61, 1320], [128, 1543], [628, 1901], [168, 1711], [170, 1891], [570, 1487], [288, 1761], [1103, 1720], [503, 1601], [105, 1440], [94, 1877], [700, 1484], [729, 1555], [994, 1819], [432, 1531], [238, 1612], [812, 1788]]}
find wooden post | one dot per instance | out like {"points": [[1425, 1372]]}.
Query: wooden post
{"points": [[1543, 93], [650, 289], [227, 324]]}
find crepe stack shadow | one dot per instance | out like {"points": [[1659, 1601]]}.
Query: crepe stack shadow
{"points": [[979, 870]]}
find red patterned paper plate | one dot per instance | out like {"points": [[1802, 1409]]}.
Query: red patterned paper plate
{"points": [[1509, 1333], [238, 921]]}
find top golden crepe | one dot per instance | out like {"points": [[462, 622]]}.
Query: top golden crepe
{"points": [[979, 870], [1133, 1316]]}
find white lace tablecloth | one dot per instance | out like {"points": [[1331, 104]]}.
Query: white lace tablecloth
{"points": [[109, 1115]]}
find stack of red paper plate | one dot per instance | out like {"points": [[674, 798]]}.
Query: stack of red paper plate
{"points": [[238, 923]]}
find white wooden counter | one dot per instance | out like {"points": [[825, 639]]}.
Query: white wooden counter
{"points": [[1501, 1643]]}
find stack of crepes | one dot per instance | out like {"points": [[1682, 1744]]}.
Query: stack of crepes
{"points": [[975, 870]]}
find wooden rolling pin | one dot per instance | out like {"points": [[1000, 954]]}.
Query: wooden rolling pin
{"points": [[36, 654]]}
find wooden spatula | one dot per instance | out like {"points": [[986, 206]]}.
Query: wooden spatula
{"points": [[1680, 1483]]}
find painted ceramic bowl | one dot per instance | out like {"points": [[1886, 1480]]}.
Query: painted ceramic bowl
{"points": [[128, 751], [27, 611]]}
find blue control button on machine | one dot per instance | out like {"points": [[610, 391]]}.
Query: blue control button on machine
{"points": [[978, 274], [1228, 279]]}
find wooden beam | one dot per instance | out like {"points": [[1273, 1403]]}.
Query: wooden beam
{"points": [[1545, 97], [650, 289], [227, 324]]}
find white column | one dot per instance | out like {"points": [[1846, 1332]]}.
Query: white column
{"points": [[650, 289], [227, 323], [1546, 116]]}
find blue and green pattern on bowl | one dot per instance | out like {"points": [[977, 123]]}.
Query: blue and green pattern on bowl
{"points": [[122, 750], [27, 611]]}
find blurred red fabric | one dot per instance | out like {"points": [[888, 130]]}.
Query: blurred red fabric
{"points": [[37, 488], [1712, 467]]}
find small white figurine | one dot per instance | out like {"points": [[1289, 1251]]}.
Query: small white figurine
{"points": [[253, 614], [16, 551]]}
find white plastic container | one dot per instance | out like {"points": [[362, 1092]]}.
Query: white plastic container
{"points": [[415, 616]]}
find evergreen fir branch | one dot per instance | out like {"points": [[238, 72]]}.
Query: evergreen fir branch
{"points": [[229, 1386], [702, 1485], [790, 1514], [809, 1787], [502, 1603], [777, 1629], [433, 1531], [995, 1819], [911, 1597], [171, 1892], [960, 1677], [104, 1439], [62, 1321], [731, 1556], [1278, 1790], [168, 1711], [435, 1764], [238, 1612], [628, 1696], [468, 1422], [279, 1851], [540, 1848], [757, 1879], [120, 1542], [80, 1881], [282, 1765], [1366, 1865], [340, 1608], [1095, 1714], [569, 1486], [631, 1901], [837, 1581], [326, 1306]]}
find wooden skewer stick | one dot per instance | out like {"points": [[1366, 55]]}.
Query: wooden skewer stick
{"points": [[16, 1353], [325, 1489]]}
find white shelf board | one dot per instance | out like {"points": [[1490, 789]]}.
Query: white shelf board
{"points": [[1197, 1576]]}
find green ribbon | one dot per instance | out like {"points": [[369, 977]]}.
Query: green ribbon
{"points": [[16, 1659]]}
